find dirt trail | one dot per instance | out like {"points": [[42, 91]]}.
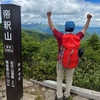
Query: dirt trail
{"points": [[33, 91]]}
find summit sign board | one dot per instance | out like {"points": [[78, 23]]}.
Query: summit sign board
{"points": [[11, 30]]}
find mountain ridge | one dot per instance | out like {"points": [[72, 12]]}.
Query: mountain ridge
{"points": [[42, 27]]}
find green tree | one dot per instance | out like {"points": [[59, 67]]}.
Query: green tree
{"points": [[87, 73], [1, 60], [44, 62], [94, 41]]}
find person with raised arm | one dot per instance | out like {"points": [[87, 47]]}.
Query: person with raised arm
{"points": [[71, 52]]}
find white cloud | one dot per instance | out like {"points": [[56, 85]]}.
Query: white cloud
{"points": [[62, 10]]}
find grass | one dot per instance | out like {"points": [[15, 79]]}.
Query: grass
{"points": [[70, 98]]}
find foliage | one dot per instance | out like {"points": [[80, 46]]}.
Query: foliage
{"points": [[39, 59], [43, 62], [87, 74], [94, 42], [1, 60], [86, 37]]}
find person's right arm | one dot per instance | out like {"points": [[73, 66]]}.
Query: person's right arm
{"points": [[89, 16]]}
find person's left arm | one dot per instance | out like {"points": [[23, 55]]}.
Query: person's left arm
{"points": [[50, 21]]}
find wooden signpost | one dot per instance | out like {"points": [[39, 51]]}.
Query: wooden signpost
{"points": [[11, 29]]}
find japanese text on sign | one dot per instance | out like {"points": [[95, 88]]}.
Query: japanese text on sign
{"points": [[7, 25]]}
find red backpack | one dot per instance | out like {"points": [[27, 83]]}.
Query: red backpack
{"points": [[70, 46]]}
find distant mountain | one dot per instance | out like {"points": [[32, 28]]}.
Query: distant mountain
{"points": [[38, 27], [38, 35], [41, 27]]}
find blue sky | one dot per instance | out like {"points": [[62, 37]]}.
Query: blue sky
{"points": [[94, 1], [6, 1], [62, 10]]}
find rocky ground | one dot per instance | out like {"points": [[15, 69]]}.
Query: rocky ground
{"points": [[33, 91]]}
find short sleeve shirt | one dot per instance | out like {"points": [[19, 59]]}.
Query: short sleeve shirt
{"points": [[58, 35]]}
